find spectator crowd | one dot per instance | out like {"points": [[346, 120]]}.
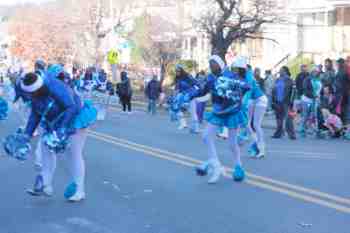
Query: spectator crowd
{"points": [[314, 103]]}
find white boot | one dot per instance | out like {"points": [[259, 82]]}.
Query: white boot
{"points": [[216, 170], [261, 153], [40, 190], [48, 191], [224, 133], [254, 137], [78, 196], [194, 127], [183, 124]]}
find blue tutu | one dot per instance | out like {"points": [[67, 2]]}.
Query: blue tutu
{"points": [[86, 117], [4, 108], [231, 121]]}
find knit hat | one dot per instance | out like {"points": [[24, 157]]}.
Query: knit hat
{"points": [[341, 61], [40, 64], [315, 68], [218, 60], [240, 62], [179, 67]]}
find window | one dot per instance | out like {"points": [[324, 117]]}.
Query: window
{"points": [[319, 18], [313, 19], [341, 15], [307, 19], [193, 42], [332, 18], [347, 16]]}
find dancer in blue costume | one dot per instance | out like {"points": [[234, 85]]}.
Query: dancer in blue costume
{"points": [[256, 106], [185, 84], [39, 68], [227, 92], [59, 111]]}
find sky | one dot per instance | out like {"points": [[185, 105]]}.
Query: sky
{"points": [[13, 2]]}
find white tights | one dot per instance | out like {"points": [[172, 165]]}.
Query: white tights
{"points": [[257, 110], [209, 136], [74, 157], [193, 110]]}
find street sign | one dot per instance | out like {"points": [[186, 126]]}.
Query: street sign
{"points": [[113, 57]]}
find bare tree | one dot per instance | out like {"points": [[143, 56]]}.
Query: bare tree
{"points": [[98, 18], [157, 40], [64, 30], [227, 21], [41, 32]]}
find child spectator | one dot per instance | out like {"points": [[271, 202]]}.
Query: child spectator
{"points": [[333, 123]]}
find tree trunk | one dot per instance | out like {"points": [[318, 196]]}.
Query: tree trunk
{"points": [[219, 46], [162, 72], [219, 50]]}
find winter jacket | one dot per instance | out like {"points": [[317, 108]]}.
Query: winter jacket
{"points": [[299, 83], [345, 105], [65, 106], [287, 93], [185, 83], [153, 90], [124, 87], [269, 84], [339, 85], [328, 77], [309, 89]]}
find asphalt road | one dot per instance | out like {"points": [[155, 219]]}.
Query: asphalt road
{"points": [[140, 179]]}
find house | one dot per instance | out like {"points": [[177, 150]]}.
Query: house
{"points": [[323, 28], [316, 29]]}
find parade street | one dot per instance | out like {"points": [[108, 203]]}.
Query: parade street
{"points": [[141, 179]]}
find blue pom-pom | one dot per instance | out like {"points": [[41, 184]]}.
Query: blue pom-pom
{"points": [[71, 190], [226, 87], [238, 174], [17, 146], [56, 142], [253, 149], [4, 108]]}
